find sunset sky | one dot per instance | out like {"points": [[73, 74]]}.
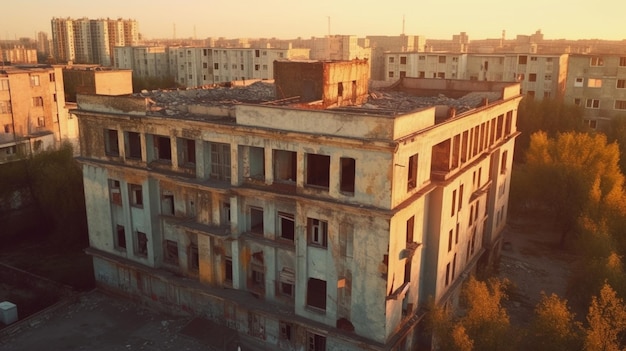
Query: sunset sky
{"points": [[287, 19]]}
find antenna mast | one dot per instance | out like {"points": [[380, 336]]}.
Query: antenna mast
{"points": [[402, 24]]}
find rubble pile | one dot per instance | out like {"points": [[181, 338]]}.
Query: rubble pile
{"points": [[403, 102]]}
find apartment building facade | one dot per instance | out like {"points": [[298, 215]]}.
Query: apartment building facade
{"points": [[540, 76], [143, 61], [598, 84], [86, 40], [380, 44], [33, 116], [341, 221]]}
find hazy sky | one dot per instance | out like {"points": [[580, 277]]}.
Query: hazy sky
{"points": [[287, 19]]}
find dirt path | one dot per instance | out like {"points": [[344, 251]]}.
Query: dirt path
{"points": [[533, 262]]}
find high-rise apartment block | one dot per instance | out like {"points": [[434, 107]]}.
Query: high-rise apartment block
{"points": [[91, 40], [317, 224]]}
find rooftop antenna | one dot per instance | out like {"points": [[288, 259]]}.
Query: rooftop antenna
{"points": [[403, 24], [194, 32], [328, 26], [174, 30]]}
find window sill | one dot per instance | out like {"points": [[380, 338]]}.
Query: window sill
{"points": [[316, 310]]}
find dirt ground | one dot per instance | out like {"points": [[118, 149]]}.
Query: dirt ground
{"points": [[534, 263]]}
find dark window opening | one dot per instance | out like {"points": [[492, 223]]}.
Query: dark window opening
{"points": [[228, 270], [407, 270], [171, 252], [340, 89], [167, 204], [194, 258], [111, 145], [318, 170], [187, 152], [121, 237], [410, 227], [316, 293], [316, 342], [412, 172], [347, 175], [256, 220], [285, 331], [134, 145], [285, 165], [286, 226], [164, 148], [257, 163], [136, 195], [115, 194], [220, 161], [142, 244]]}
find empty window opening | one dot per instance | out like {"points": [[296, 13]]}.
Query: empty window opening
{"points": [[256, 220], [171, 252], [410, 227], [407, 270], [340, 89], [110, 142], [164, 148], [316, 293], [285, 166], [317, 232], [142, 244], [225, 213], [316, 342], [412, 172], [134, 145], [120, 242], [257, 163], [228, 270], [347, 175], [286, 226], [318, 170], [136, 195], [286, 331], [194, 258]]}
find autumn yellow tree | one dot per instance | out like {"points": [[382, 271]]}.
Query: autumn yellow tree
{"points": [[553, 327], [607, 322]]}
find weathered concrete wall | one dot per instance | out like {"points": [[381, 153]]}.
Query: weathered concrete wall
{"points": [[113, 104]]}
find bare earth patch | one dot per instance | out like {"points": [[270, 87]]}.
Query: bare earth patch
{"points": [[533, 262]]}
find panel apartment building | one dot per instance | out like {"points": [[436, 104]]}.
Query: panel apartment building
{"points": [[302, 225], [33, 116], [199, 66], [597, 82], [91, 40], [540, 76]]}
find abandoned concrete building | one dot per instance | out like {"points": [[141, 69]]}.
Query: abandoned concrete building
{"points": [[319, 225], [33, 116]]}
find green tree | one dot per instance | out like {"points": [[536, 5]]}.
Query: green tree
{"points": [[607, 322], [572, 175], [554, 327]]}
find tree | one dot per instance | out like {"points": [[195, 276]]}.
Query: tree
{"points": [[607, 322], [575, 174], [554, 327], [552, 116], [486, 321]]}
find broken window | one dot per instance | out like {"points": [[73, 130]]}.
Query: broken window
{"points": [[225, 213], [412, 172], [317, 232], [120, 238], [410, 227], [220, 161], [285, 165], [142, 244], [316, 293], [187, 152], [194, 259], [287, 282], [171, 252], [111, 146], [228, 270], [407, 270], [167, 203], [134, 145], [135, 195], [340, 89], [316, 342], [286, 331], [318, 170], [257, 163], [163, 148], [453, 207], [286, 226], [347, 175], [447, 274], [256, 220], [257, 278], [503, 163], [115, 194]]}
